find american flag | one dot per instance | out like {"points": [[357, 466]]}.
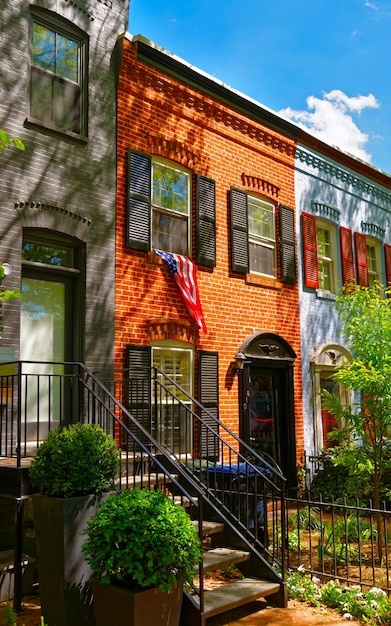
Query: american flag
{"points": [[184, 271]]}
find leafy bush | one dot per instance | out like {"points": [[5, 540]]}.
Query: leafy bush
{"points": [[305, 519], [75, 460], [141, 538]]}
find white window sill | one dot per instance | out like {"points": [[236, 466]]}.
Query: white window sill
{"points": [[325, 295]]}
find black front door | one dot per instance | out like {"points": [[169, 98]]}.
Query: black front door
{"points": [[267, 416]]}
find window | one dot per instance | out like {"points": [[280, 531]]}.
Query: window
{"points": [[171, 422], [159, 208], [369, 254], [170, 208], [329, 422], [57, 80], [253, 237], [373, 263], [326, 254], [320, 252], [323, 365], [262, 236], [174, 422]]}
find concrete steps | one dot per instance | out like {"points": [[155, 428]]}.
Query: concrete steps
{"points": [[236, 594], [229, 595]]}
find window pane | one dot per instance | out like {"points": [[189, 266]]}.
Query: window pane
{"points": [[261, 259], [260, 219], [41, 96], [324, 246], [324, 237], [329, 422], [169, 233], [44, 48], [325, 278], [66, 105], [170, 188], [67, 59], [372, 265], [39, 253]]}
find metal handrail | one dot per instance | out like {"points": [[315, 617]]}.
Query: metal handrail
{"points": [[227, 476]]}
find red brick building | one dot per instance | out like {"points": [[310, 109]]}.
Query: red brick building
{"points": [[207, 173]]}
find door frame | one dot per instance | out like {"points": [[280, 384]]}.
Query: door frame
{"points": [[270, 354]]}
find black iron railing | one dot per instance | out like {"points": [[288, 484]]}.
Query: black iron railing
{"points": [[348, 542], [168, 440]]}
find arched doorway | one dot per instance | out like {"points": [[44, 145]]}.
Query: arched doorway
{"points": [[267, 420]]}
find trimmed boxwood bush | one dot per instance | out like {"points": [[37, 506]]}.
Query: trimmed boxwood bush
{"points": [[141, 538], [75, 460]]}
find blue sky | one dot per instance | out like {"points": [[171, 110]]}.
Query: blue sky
{"points": [[324, 64]]}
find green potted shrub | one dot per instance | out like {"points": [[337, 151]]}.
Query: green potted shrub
{"points": [[142, 548], [71, 471]]}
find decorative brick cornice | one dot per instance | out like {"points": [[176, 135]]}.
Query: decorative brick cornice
{"points": [[260, 184], [373, 229], [325, 210], [211, 112], [21, 207], [80, 8], [333, 171], [165, 328]]}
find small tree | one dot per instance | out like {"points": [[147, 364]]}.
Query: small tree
{"points": [[365, 314]]}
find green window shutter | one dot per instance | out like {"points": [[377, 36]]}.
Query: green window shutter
{"points": [[208, 396], [239, 231], [206, 220], [138, 387], [139, 201], [310, 251], [287, 247], [347, 255], [361, 259]]}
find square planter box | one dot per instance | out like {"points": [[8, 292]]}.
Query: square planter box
{"points": [[115, 606]]}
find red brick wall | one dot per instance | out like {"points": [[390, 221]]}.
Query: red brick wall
{"points": [[197, 133]]}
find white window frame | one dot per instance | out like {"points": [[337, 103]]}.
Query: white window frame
{"points": [[323, 364], [171, 213], [265, 241], [178, 349], [327, 260], [374, 273]]}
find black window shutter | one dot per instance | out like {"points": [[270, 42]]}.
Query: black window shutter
{"points": [[239, 231], [208, 386], [138, 387], [287, 247], [206, 220], [139, 201]]}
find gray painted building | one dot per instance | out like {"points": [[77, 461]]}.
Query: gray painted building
{"points": [[57, 198]]}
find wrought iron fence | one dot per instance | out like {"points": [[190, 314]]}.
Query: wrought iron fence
{"points": [[347, 542]]}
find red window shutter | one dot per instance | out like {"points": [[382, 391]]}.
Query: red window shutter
{"points": [[361, 259], [347, 255], [387, 254], [310, 250]]}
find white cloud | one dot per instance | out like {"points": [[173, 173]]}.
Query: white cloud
{"points": [[370, 5], [331, 120]]}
